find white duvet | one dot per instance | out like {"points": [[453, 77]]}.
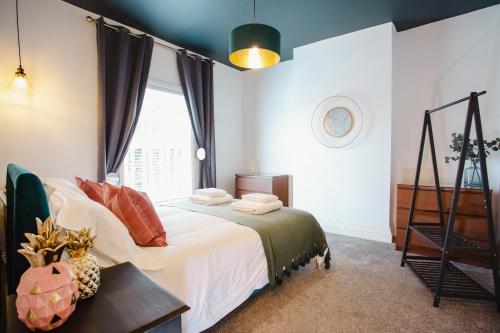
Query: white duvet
{"points": [[211, 264]]}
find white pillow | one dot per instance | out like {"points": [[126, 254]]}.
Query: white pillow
{"points": [[59, 183], [51, 184], [73, 210]]}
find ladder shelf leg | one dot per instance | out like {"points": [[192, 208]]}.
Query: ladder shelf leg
{"points": [[436, 173], [442, 272], [415, 189], [494, 268], [487, 200]]}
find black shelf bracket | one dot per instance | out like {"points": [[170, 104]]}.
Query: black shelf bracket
{"points": [[438, 273]]}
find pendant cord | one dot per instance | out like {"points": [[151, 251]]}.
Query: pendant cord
{"points": [[18, 38], [253, 11]]}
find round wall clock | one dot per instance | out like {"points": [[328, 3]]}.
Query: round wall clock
{"points": [[337, 121]]}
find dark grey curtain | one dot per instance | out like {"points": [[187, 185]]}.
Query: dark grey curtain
{"points": [[196, 77], [123, 69]]}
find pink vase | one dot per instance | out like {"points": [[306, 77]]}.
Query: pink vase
{"points": [[46, 296]]}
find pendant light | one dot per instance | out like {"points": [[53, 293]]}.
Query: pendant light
{"points": [[19, 82], [254, 45]]}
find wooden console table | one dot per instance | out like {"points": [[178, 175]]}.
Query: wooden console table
{"points": [[127, 301], [470, 220]]}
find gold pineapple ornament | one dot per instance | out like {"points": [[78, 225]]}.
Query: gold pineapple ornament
{"points": [[47, 291], [84, 263], [44, 248]]}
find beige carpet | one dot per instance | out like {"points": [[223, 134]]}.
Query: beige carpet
{"points": [[365, 291]]}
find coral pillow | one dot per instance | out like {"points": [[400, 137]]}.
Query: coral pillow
{"points": [[137, 213], [92, 189]]}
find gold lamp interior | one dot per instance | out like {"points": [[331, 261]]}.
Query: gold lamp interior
{"points": [[254, 58]]}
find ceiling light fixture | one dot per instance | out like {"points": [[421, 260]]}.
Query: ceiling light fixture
{"points": [[19, 82], [254, 45]]}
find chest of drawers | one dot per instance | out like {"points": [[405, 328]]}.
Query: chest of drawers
{"points": [[272, 184], [470, 219]]}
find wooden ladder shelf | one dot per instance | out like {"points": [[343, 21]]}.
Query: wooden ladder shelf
{"points": [[438, 273]]}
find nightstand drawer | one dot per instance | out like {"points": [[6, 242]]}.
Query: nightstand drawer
{"points": [[239, 193], [261, 185]]}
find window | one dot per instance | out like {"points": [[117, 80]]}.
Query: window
{"points": [[159, 159]]}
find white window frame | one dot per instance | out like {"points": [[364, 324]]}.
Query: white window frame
{"points": [[172, 88]]}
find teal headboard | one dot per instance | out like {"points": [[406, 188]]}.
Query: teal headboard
{"points": [[26, 199]]}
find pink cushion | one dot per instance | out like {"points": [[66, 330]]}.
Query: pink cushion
{"points": [[137, 213], [92, 189]]}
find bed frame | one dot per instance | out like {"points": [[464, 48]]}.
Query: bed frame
{"points": [[26, 200]]}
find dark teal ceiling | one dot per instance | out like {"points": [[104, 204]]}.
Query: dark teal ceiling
{"points": [[203, 26]]}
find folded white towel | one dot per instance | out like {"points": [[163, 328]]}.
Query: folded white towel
{"points": [[209, 201], [260, 197], [211, 192], [256, 208]]}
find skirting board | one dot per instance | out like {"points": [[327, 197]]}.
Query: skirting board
{"points": [[359, 231]]}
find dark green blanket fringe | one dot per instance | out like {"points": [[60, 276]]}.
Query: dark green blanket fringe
{"points": [[302, 260]]}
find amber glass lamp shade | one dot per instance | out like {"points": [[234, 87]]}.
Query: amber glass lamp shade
{"points": [[19, 81]]}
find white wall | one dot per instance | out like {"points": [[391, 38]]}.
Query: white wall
{"points": [[395, 77], [439, 63], [54, 131], [347, 189]]}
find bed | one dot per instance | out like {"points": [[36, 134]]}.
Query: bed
{"points": [[211, 263]]}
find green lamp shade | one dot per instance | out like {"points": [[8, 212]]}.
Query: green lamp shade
{"points": [[254, 46]]}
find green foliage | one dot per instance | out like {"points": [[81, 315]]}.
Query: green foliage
{"points": [[457, 141]]}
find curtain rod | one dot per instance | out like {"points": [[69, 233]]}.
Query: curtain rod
{"points": [[168, 47], [456, 102]]}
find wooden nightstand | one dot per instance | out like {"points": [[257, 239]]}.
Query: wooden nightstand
{"points": [[260, 183], [127, 301]]}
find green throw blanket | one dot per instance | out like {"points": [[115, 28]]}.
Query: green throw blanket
{"points": [[290, 237]]}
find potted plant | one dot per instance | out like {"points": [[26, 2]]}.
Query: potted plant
{"points": [[48, 291], [472, 174]]}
